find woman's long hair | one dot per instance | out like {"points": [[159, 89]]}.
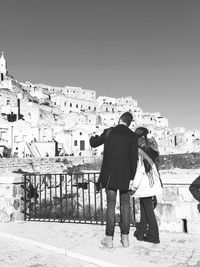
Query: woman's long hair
{"points": [[145, 145]]}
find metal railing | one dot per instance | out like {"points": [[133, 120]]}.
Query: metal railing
{"points": [[67, 197]]}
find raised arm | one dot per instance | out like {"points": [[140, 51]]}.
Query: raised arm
{"points": [[97, 140]]}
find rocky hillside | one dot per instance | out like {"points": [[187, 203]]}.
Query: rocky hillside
{"points": [[71, 164], [182, 161]]}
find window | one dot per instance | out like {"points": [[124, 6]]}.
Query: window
{"points": [[75, 143], [76, 105], [70, 105], [80, 133], [8, 102], [65, 104], [82, 145], [3, 135]]}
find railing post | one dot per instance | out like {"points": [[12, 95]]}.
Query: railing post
{"points": [[95, 199], [24, 197], [61, 206]]}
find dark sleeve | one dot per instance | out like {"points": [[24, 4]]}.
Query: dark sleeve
{"points": [[97, 140], [134, 157], [195, 189]]}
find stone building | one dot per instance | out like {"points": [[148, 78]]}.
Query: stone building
{"points": [[53, 111]]}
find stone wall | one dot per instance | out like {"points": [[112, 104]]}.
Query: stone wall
{"points": [[45, 165], [176, 210], [11, 193]]}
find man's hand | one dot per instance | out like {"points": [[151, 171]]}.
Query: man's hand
{"points": [[132, 188]]}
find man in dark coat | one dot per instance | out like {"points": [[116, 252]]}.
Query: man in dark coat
{"points": [[195, 190], [117, 170]]}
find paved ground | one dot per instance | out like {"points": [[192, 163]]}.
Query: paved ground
{"points": [[48, 244], [14, 253]]}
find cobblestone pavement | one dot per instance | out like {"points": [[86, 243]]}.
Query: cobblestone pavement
{"points": [[175, 249]]}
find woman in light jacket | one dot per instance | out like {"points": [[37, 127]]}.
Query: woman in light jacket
{"points": [[145, 186]]}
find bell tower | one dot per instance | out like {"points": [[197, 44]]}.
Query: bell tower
{"points": [[3, 66]]}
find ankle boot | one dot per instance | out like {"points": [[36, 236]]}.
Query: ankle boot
{"points": [[125, 240], [107, 241]]}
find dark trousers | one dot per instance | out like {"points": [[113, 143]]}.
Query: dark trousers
{"points": [[148, 224], [124, 212]]}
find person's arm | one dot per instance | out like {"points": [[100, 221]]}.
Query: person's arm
{"points": [[134, 184], [195, 188], [97, 140]]}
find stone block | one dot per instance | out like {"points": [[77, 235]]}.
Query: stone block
{"points": [[10, 178], [170, 194], [8, 207], [193, 225], [184, 210], [175, 226], [17, 216], [4, 217], [166, 212], [184, 194], [16, 204], [195, 211], [14, 191]]}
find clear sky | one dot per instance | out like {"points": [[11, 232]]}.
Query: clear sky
{"points": [[147, 49]]}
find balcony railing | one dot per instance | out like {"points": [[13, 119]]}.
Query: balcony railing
{"points": [[71, 197]]}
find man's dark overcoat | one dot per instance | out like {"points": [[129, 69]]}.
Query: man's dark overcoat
{"points": [[119, 158]]}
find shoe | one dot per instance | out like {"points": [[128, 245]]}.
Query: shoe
{"points": [[107, 241], [145, 239], [125, 240], [138, 236]]}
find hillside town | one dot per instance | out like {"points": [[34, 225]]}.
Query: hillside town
{"points": [[39, 120]]}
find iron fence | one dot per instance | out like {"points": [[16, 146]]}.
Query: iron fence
{"points": [[69, 197]]}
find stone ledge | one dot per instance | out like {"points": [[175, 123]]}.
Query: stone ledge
{"points": [[11, 178]]}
